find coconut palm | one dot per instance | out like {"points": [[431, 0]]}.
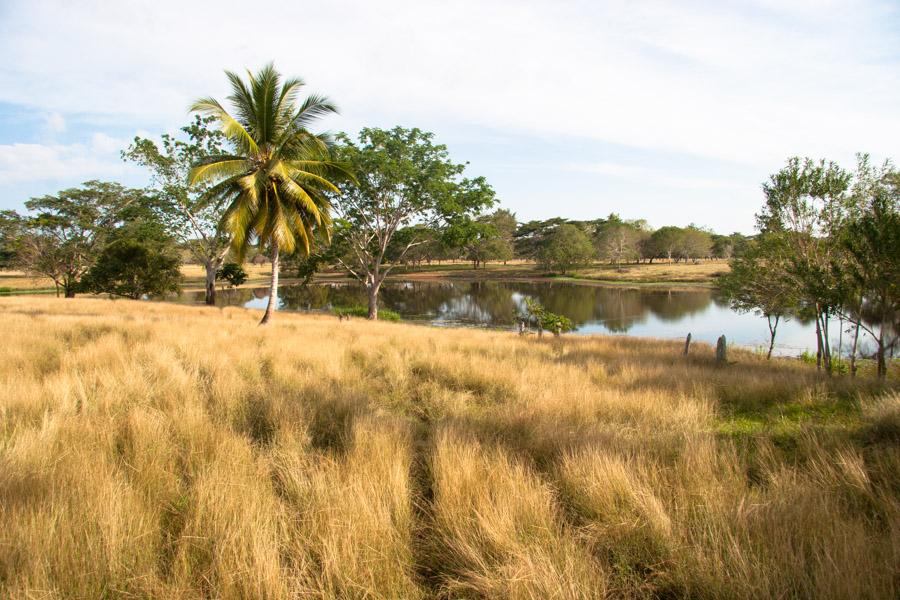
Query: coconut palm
{"points": [[275, 185]]}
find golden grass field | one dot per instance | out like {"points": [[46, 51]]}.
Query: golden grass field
{"points": [[22, 281], [153, 450]]}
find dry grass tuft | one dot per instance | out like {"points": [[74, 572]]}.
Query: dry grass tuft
{"points": [[152, 450]]}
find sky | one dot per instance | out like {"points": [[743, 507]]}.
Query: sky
{"points": [[673, 112]]}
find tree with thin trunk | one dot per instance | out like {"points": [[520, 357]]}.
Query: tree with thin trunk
{"points": [[275, 183], [868, 273], [403, 178], [758, 282], [806, 206], [187, 211]]}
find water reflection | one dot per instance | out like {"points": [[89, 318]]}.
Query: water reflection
{"points": [[647, 312]]}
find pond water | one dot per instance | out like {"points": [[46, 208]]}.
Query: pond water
{"points": [[645, 312]]}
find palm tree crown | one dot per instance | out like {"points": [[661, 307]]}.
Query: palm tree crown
{"points": [[274, 185]]}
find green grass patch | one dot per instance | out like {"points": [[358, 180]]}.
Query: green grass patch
{"points": [[361, 311], [783, 422]]}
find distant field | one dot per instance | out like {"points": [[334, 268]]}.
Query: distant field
{"points": [[704, 273], [155, 450], [686, 273], [19, 280]]}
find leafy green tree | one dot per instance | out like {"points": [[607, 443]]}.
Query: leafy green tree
{"points": [[758, 282], [617, 240], [11, 231], [132, 269], [65, 233], [663, 243], [480, 239], [694, 243], [276, 181], [568, 247], [806, 206], [232, 273], [188, 212], [726, 246], [530, 237], [870, 268], [429, 245], [403, 178]]}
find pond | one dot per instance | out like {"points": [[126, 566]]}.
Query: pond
{"points": [[646, 312]]}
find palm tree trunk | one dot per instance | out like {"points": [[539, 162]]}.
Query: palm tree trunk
{"points": [[273, 290]]}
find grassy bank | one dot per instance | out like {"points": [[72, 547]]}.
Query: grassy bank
{"points": [[704, 273], [155, 450]]}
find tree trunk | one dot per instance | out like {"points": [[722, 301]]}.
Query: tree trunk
{"points": [[818, 339], [826, 342], [773, 329], [69, 291], [882, 365], [373, 301], [212, 266], [273, 290], [853, 350]]}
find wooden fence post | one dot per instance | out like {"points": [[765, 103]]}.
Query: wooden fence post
{"points": [[721, 350], [687, 344]]}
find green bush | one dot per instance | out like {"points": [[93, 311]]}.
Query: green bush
{"points": [[232, 273], [132, 269]]}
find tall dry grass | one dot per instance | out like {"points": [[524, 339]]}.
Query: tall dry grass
{"points": [[152, 450]]}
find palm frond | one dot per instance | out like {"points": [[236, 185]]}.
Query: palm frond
{"points": [[232, 129], [313, 108], [213, 171]]}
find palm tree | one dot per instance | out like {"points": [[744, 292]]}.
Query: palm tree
{"points": [[274, 186]]}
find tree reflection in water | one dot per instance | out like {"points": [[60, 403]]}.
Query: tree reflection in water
{"points": [[650, 312], [489, 303]]}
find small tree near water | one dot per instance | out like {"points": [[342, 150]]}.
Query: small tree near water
{"points": [[757, 283], [544, 319]]}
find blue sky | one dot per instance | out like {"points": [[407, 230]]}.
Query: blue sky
{"points": [[672, 112]]}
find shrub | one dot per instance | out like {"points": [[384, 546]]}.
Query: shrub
{"points": [[547, 320], [232, 273], [131, 269]]}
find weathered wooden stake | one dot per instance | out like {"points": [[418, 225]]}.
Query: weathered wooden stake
{"points": [[721, 350], [687, 344]]}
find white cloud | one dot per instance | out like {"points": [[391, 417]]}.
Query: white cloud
{"points": [[749, 83], [743, 83], [54, 123], [55, 162]]}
